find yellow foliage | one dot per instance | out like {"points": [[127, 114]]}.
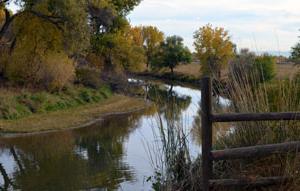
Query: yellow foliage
{"points": [[2, 17], [152, 37], [38, 58], [95, 61], [214, 49], [57, 71], [136, 34], [148, 37]]}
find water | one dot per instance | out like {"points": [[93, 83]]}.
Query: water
{"points": [[112, 154]]}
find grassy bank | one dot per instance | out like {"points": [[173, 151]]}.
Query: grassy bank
{"points": [[73, 117], [20, 103], [25, 110]]}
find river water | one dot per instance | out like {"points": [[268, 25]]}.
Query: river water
{"points": [[113, 154]]}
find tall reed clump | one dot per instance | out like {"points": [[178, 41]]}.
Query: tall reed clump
{"points": [[170, 154], [249, 95]]}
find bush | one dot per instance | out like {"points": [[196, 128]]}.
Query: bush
{"points": [[57, 71], [95, 61], [52, 71], [265, 67], [246, 67], [89, 77], [39, 59]]}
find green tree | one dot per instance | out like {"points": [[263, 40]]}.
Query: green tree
{"points": [[214, 49], [172, 52], [295, 53]]}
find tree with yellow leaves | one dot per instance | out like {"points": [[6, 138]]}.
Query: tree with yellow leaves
{"points": [[152, 37], [214, 49]]}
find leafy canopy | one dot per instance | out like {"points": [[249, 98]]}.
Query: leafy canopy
{"points": [[172, 53], [214, 49]]}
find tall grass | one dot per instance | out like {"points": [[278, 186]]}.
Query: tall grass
{"points": [[247, 94]]}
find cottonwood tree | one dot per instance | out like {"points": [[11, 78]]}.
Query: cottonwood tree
{"points": [[214, 49], [43, 30], [172, 52], [152, 38]]}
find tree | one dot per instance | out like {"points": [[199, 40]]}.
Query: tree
{"points": [[38, 42], [295, 54], [70, 17], [214, 49], [149, 38], [41, 31], [172, 52], [152, 38], [120, 51], [39, 59]]}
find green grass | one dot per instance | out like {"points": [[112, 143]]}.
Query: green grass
{"points": [[16, 104], [72, 117]]}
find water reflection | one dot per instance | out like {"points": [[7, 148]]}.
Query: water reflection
{"points": [[70, 160], [169, 102], [108, 155]]}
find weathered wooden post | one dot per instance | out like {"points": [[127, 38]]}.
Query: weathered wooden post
{"points": [[206, 119]]}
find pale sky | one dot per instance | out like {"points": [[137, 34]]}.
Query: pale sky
{"points": [[261, 25]]}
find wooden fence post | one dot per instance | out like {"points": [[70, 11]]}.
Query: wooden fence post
{"points": [[206, 119]]}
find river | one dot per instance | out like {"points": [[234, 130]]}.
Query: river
{"points": [[112, 154]]}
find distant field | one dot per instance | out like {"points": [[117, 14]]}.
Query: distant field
{"points": [[283, 71], [189, 69]]}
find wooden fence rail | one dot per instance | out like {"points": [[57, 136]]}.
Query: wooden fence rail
{"points": [[208, 155]]}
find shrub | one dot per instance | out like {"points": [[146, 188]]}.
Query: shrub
{"points": [[57, 71], [265, 66], [248, 68], [52, 71], [95, 61], [39, 59], [88, 77]]}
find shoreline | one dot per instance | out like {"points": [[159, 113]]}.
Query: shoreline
{"points": [[165, 77], [70, 119]]}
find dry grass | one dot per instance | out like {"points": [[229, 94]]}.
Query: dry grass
{"points": [[189, 69], [283, 71], [286, 71], [72, 118]]}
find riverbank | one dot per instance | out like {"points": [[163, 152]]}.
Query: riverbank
{"points": [[76, 117], [175, 78]]}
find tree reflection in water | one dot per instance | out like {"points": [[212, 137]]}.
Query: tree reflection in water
{"points": [[84, 158], [71, 160]]}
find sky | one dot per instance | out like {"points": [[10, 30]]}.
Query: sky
{"points": [[260, 25]]}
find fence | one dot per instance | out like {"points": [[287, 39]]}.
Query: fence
{"points": [[208, 155]]}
